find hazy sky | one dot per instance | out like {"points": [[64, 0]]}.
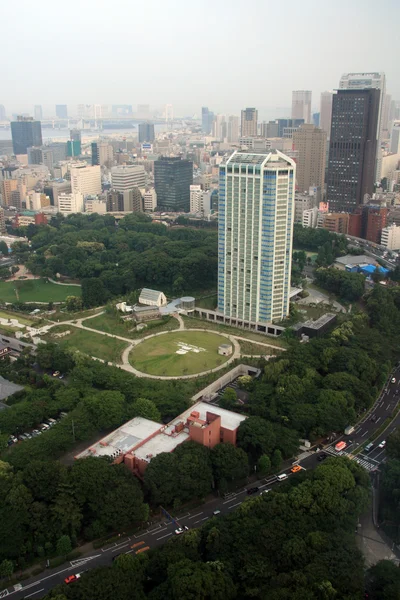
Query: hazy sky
{"points": [[226, 55]]}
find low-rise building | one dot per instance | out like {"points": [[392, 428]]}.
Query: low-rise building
{"points": [[390, 237], [152, 297]]}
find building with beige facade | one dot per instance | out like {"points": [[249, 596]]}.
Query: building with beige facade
{"points": [[310, 143], [390, 237], [86, 180], [325, 118], [249, 122], [301, 105]]}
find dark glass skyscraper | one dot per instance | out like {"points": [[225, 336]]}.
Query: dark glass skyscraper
{"points": [[146, 133], [25, 133], [172, 179], [207, 119], [352, 148]]}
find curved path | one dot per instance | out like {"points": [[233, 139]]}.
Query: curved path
{"points": [[59, 283]]}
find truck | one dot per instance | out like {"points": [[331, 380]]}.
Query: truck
{"points": [[349, 430], [340, 446]]}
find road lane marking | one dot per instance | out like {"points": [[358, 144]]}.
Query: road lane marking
{"points": [[233, 505], [33, 593], [378, 419], [200, 520], [164, 536], [183, 517], [365, 433], [120, 547], [158, 531], [197, 515], [231, 499]]}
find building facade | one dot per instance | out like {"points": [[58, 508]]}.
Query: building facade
{"points": [[102, 154], [360, 81], [395, 138], [25, 132], [390, 237], [146, 133], [150, 200], [207, 119], [352, 148], [70, 203], [326, 112], [255, 230], [249, 122], [126, 177], [200, 201], [232, 129], [310, 143], [38, 112], [85, 180], [173, 178], [301, 105], [62, 111]]}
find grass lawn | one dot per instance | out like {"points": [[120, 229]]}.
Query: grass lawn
{"points": [[36, 290], [63, 315], [252, 349], [93, 344], [111, 324], [7, 314], [195, 323], [209, 302], [157, 356]]}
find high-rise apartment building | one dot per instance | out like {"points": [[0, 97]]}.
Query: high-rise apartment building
{"points": [[25, 132], [249, 122], [62, 111], [2, 113], [38, 112], [255, 231], [85, 180], [270, 129], [219, 127], [395, 138], [207, 118], [169, 113], [146, 133], [173, 178], [200, 201], [126, 177], [301, 105], [8, 186], [360, 81], [115, 201], [325, 118], [232, 129], [150, 200], [352, 148], [102, 154], [310, 144]]}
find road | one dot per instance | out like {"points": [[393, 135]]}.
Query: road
{"points": [[158, 534]]}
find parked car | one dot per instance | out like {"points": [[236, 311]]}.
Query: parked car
{"points": [[22, 437], [216, 512], [181, 530], [56, 373], [368, 447], [72, 578], [44, 426], [252, 490], [28, 436], [382, 444], [265, 491], [36, 432], [393, 380], [61, 376]]}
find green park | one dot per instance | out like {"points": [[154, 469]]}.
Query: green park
{"points": [[36, 290], [178, 353]]}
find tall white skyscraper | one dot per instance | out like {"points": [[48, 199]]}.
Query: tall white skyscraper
{"points": [[232, 129], [359, 81], [255, 231], [86, 180], [301, 105], [325, 110], [395, 138]]}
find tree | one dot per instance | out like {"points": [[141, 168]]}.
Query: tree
{"points": [[73, 303], [264, 464], [383, 581], [276, 459], [145, 408], [64, 545], [393, 445], [200, 581], [228, 399], [93, 292], [6, 568], [3, 248], [160, 479], [255, 436], [228, 463]]}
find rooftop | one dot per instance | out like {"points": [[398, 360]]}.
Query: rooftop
{"points": [[123, 439], [8, 388], [349, 259], [147, 294]]}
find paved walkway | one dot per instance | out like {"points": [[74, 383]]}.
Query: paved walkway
{"points": [[59, 283]]}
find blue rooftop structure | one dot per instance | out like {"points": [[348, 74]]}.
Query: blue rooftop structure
{"points": [[370, 269]]}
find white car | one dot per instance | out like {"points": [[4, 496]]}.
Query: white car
{"points": [[382, 444], [393, 380], [181, 530]]}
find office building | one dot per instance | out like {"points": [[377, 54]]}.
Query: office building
{"points": [[200, 201], [169, 112], [334, 222], [360, 81], [269, 130], [2, 113], [74, 148], [326, 112], [390, 237], [352, 148], [59, 150], [75, 135], [61, 111], [303, 202], [249, 122], [395, 138], [59, 187], [310, 217], [85, 180], [316, 118], [2, 221], [94, 205], [207, 119], [35, 156], [310, 144], [37, 112], [219, 127], [255, 231], [25, 132], [232, 129], [173, 178], [150, 200], [70, 203], [126, 177], [8, 186], [146, 133], [115, 201], [301, 105], [102, 154], [286, 127], [374, 223]]}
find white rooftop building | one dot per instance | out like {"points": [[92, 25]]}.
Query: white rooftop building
{"points": [[152, 297], [390, 237]]}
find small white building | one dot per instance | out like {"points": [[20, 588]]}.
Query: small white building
{"points": [[152, 297], [124, 307], [390, 237], [150, 200]]}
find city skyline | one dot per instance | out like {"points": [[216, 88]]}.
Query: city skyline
{"points": [[168, 73]]}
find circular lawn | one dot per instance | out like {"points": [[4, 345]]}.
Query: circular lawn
{"points": [[179, 353]]}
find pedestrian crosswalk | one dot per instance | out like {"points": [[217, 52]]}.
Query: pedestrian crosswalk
{"points": [[369, 466]]}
